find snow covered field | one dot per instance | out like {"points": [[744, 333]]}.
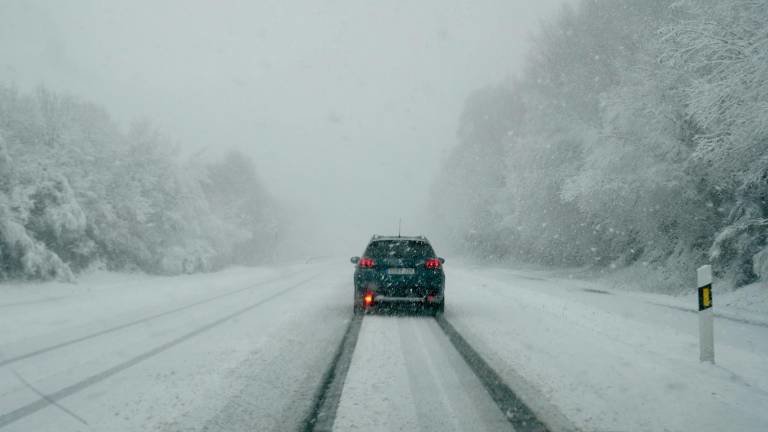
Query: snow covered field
{"points": [[247, 349]]}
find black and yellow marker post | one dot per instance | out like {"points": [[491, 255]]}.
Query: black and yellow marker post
{"points": [[706, 315], [705, 297]]}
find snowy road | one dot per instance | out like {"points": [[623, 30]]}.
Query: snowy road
{"points": [[248, 349], [612, 360], [406, 375], [235, 350]]}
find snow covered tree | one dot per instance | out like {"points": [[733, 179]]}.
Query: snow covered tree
{"points": [[21, 255], [238, 199], [77, 191], [642, 137], [465, 194], [723, 49]]}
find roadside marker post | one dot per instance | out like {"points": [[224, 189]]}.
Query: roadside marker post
{"points": [[706, 315]]}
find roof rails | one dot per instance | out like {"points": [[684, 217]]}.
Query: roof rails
{"points": [[378, 236]]}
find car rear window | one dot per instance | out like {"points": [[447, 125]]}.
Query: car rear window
{"points": [[399, 249]]}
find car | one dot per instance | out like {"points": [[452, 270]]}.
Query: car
{"points": [[399, 271]]}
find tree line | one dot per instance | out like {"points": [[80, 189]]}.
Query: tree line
{"points": [[77, 192], [636, 135]]}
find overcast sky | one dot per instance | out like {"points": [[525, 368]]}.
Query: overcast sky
{"points": [[347, 106]]}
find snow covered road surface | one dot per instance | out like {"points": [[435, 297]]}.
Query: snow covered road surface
{"points": [[181, 370], [247, 349], [610, 360], [405, 375]]}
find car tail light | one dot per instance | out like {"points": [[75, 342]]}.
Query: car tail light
{"points": [[366, 263], [368, 299], [432, 263]]}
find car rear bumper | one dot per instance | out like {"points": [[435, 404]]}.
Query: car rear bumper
{"points": [[386, 301], [421, 284], [407, 300]]}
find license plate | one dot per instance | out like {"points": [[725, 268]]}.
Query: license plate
{"points": [[401, 271]]}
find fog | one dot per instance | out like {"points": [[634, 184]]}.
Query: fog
{"points": [[347, 107], [183, 183]]}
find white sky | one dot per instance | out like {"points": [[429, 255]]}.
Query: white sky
{"points": [[347, 106]]}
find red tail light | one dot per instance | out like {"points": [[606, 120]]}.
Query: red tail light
{"points": [[432, 263], [366, 263]]}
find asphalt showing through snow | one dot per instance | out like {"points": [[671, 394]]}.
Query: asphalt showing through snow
{"points": [[522, 418], [445, 376], [511, 407], [323, 413]]}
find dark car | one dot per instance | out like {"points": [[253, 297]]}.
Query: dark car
{"points": [[402, 271]]}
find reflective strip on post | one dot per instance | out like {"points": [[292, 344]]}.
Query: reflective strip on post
{"points": [[706, 316], [705, 297]]}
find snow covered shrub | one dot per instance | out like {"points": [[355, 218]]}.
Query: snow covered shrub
{"points": [[21, 256], [760, 264], [5, 166], [194, 257], [36, 261], [737, 245], [56, 219]]}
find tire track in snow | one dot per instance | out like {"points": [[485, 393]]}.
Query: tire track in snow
{"points": [[522, 418], [73, 341], [29, 302], [323, 413], [47, 399]]}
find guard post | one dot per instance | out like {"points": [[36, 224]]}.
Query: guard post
{"points": [[706, 316]]}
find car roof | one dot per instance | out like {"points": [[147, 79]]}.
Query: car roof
{"points": [[377, 237]]}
